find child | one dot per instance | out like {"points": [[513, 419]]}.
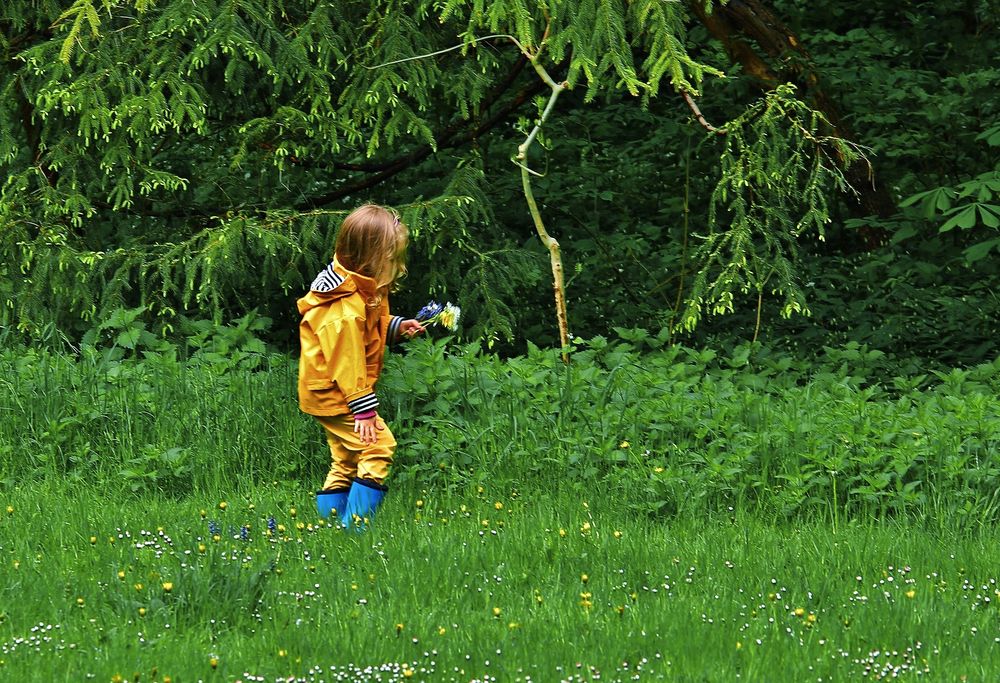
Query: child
{"points": [[344, 330]]}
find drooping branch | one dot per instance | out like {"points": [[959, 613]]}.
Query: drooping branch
{"points": [[699, 116], [738, 25]]}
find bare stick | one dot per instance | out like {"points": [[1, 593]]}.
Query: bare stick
{"points": [[698, 115]]}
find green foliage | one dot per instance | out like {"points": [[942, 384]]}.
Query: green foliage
{"points": [[667, 429], [777, 168]]}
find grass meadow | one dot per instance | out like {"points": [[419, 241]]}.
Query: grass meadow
{"points": [[642, 515]]}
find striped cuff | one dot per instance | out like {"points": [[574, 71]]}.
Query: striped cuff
{"points": [[393, 334], [363, 404]]}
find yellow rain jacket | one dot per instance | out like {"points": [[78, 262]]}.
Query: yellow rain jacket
{"points": [[343, 343]]}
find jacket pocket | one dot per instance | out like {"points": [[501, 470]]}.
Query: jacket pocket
{"points": [[319, 384]]}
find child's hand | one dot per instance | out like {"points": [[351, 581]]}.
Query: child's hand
{"points": [[368, 429], [411, 328]]}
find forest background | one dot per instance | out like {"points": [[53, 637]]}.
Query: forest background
{"points": [[171, 161]]}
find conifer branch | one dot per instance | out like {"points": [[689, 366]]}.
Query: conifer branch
{"points": [[698, 115]]}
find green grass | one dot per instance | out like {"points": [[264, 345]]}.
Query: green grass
{"points": [[479, 585]]}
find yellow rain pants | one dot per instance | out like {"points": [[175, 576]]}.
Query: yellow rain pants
{"points": [[350, 457]]}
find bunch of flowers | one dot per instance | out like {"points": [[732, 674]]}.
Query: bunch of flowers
{"points": [[446, 315]]}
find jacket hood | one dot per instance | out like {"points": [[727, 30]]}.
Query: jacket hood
{"points": [[332, 283]]}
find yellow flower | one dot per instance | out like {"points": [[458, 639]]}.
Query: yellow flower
{"points": [[496, 611], [79, 601], [618, 534], [399, 628], [213, 662], [811, 618], [293, 512], [498, 505], [142, 611], [624, 444], [282, 653], [10, 509], [799, 612], [585, 528], [584, 578], [420, 504], [121, 574], [168, 586], [562, 533], [910, 593], [223, 505], [441, 630], [201, 547], [739, 645], [407, 672], [93, 540], [138, 586]]}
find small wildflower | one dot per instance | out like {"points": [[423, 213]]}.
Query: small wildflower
{"points": [[623, 444], [213, 662], [498, 505], [201, 547], [292, 512], [10, 509], [562, 533], [93, 540], [272, 524], [584, 578], [79, 601], [203, 513], [282, 653], [121, 574], [445, 315], [911, 593], [442, 630], [799, 612], [420, 504], [142, 611], [496, 611], [811, 618], [138, 586], [167, 586], [407, 672], [585, 527], [739, 645], [399, 628], [617, 534], [223, 505]]}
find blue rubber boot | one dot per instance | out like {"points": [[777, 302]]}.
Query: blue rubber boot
{"points": [[365, 496], [331, 501]]}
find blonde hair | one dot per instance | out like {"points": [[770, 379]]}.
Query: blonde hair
{"points": [[372, 242]]}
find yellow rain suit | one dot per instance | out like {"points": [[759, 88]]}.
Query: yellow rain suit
{"points": [[343, 342]]}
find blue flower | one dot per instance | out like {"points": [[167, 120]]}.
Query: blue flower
{"points": [[213, 528], [244, 533], [432, 309]]}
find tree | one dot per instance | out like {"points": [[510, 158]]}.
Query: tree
{"points": [[164, 153]]}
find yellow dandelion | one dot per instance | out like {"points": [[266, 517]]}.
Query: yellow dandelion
{"points": [[216, 538], [138, 586], [584, 578], [811, 618], [223, 505], [142, 611], [496, 611], [739, 645], [799, 612], [282, 653], [79, 601], [911, 593], [93, 540], [562, 533], [485, 523], [407, 672], [617, 534], [201, 547], [399, 628], [167, 586], [442, 630], [281, 528], [585, 527], [420, 504], [624, 444], [498, 505], [203, 513], [213, 662], [121, 574], [292, 512]]}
